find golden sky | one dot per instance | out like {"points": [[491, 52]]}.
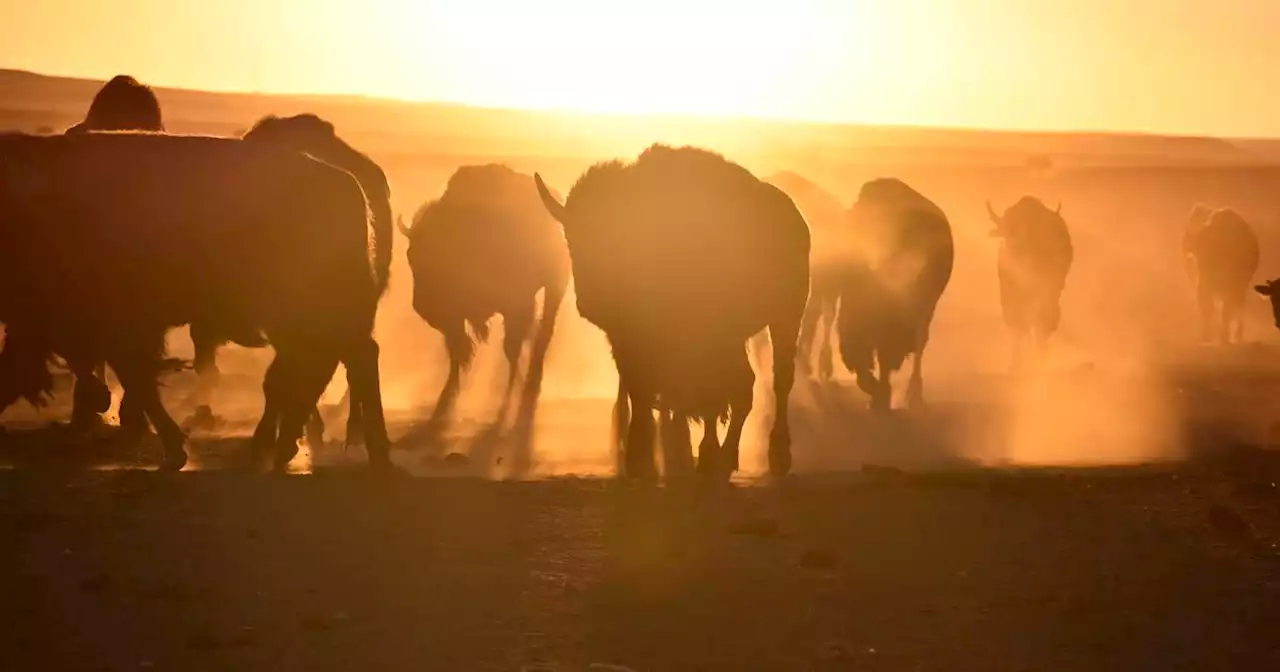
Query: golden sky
{"points": [[1191, 66]]}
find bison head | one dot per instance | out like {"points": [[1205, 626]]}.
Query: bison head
{"points": [[1271, 290], [1005, 223]]}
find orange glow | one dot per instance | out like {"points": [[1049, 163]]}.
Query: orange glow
{"points": [[1148, 65]]}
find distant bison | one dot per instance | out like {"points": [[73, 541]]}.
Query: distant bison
{"points": [[827, 257], [889, 291], [1222, 251], [156, 231], [1271, 290], [1032, 265], [680, 257], [487, 247]]}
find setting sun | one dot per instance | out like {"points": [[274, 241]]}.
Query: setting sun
{"points": [[997, 63]]}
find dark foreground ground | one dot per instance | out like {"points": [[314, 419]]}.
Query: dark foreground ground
{"points": [[217, 570], [944, 566]]}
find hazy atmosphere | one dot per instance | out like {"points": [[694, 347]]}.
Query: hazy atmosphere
{"points": [[977, 299], [1165, 66]]}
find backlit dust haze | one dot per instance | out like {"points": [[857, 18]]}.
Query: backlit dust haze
{"points": [[1180, 66]]}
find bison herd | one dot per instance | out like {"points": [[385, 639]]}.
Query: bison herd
{"points": [[115, 232]]}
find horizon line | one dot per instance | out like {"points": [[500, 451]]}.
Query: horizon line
{"points": [[666, 116]]}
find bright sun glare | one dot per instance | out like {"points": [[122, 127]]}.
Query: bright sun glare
{"points": [[659, 56]]}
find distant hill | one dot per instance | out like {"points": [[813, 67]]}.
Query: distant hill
{"points": [[30, 102]]}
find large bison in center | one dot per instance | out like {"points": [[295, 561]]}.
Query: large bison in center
{"points": [[680, 257], [486, 247], [148, 232]]}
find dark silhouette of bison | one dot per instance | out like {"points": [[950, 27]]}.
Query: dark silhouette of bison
{"points": [[827, 257], [155, 231], [311, 135], [889, 290], [1271, 290], [487, 247], [122, 104], [1032, 264], [1221, 251], [680, 257]]}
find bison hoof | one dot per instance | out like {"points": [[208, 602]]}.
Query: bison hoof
{"points": [[284, 454], [173, 460]]}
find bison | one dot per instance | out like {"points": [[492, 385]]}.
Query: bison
{"points": [[889, 289], [1221, 250], [827, 256], [1271, 290], [311, 135], [1032, 264], [679, 258], [153, 231], [487, 247], [122, 104]]}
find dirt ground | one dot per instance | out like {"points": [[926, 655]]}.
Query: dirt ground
{"points": [[455, 565]]}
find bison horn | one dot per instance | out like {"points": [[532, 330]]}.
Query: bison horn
{"points": [[991, 212], [1058, 210], [400, 225], [553, 206]]}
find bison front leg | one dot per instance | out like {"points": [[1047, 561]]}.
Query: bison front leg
{"points": [[809, 334], [365, 384], [638, 458], [783, 334], [459, 347], [915, 386], [517, 324], [621, 425], [306, 374], [553, 297], [739, 409], [826, 355], [677, 445], [138, 370]]}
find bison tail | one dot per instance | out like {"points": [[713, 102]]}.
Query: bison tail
{"points": [[383, 239]]}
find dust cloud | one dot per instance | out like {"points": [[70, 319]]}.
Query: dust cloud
{"points": [[1125, 380]]}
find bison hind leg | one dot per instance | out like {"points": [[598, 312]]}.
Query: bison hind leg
{"points": [[677, 445]]}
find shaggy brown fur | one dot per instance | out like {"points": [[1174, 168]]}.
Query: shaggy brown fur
{"points": [[150, 231], [680, 257], [122, 104], [1222, 249], [487, 247], [904, 255], [1035, 256]]}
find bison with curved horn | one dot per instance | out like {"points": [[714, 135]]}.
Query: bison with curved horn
{"points": [[679, 258], [1221, 250], [1032, 265], [827, 257], [168, 230], [487, 247], [122, 104], [889, 290]]}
